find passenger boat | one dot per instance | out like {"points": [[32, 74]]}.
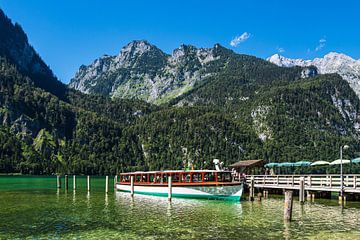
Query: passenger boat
{"points": [[206, 184]]}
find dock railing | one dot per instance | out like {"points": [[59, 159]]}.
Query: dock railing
{"points": [[315, 182]]}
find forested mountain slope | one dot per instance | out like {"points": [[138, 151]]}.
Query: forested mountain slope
{"points": [[220, 105]]}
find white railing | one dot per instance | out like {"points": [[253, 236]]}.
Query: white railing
{"points": [[312, 182]]}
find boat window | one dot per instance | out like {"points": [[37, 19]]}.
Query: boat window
{"points": [[197, 177], [209, 177], [176, 178], [152, 178], [165, 178], [186, 177], [224, 177], [157, 178], [125, 178], [137, 178]]}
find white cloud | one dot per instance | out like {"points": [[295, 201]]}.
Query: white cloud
{"points": [[280, 49], [321, 45], [239, 39]]}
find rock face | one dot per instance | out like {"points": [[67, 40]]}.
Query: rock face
{"points": [[14, 46], [347, 67], [143, 71]]}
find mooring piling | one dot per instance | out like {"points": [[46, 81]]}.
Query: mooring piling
{"points": [[132, 185], [115, 181], [106, 184], [252, 189], [288, 205], [88, 183], [169, 188], [308, 196], [302, 190], [58, 181], [66, 182], [74, 182]]}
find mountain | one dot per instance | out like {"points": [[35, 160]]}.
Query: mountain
{"points": [[211, 103], [15, 46], [143, 71], [286, 108], [332, 62]]}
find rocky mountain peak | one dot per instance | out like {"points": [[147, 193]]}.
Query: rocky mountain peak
{"points": [[333, 62], [134, 51], [141, 70]]}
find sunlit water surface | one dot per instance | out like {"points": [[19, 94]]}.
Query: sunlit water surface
{"points": [[32, 207]]}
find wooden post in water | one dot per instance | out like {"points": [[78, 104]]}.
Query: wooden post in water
{"points": [[132, 185], [308, 195], [58, 181], [302, 190], [288, 205], [74, 182], [252, 190], [115, 181], [259, 196], [106, 184], [266, 193], [169, 188], [66, 182], [88, 183]]}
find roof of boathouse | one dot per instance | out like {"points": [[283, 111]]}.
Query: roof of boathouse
{"points": [[248, 163]]}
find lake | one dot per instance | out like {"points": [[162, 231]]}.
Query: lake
{"points": [[32, 208]]}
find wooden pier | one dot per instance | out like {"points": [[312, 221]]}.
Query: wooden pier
{"points": [[320, 183]]}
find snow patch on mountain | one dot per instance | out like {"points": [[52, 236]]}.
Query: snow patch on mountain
{"points": [[347, 67]]}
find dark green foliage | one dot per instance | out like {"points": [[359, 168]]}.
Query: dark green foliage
{"points": [[48, 128]]}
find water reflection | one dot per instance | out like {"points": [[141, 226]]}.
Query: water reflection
{"points": [[74, 197], [35, 214], [88, 202], [286, 232]]}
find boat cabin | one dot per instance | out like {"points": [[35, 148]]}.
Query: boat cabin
{"points": [[178, 177]]}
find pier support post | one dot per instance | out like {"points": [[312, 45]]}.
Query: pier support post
{"points": [[132, 185], [88, 183], [266, 193], [58, 181], [302, 190], [106, 184], [288, 205], [342, 199], [66, 182], [252, 189], [308, 195], [74, 182], [115, 180], [259, 196], [169, 188]]}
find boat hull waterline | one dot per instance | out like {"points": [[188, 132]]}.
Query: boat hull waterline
{"points": [[230, 192]]}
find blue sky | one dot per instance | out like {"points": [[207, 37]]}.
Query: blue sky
{"points": [[69, 33]]}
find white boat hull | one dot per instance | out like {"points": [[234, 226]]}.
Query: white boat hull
{"points": [[227, 192]]}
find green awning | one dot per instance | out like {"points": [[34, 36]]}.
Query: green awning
{"points": [[286, 164], [271, 165], [302, 164]]}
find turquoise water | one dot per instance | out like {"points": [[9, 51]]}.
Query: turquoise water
{"points": [[32, 208]]}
